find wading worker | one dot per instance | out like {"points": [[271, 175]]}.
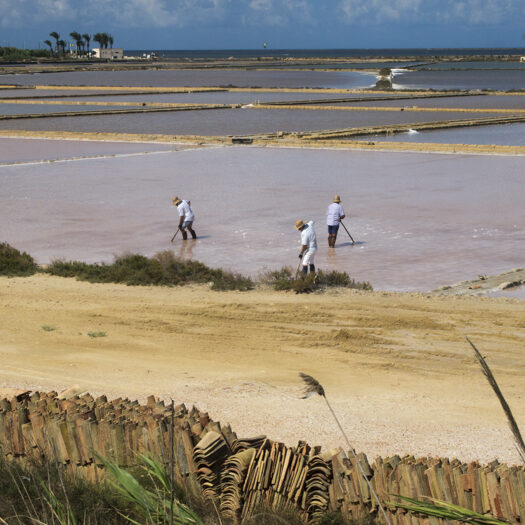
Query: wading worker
{"points": [[334, 214], [308, 245], [186, 217]]}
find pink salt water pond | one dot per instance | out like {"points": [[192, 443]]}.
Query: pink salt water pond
{"points": [[420, 219]]}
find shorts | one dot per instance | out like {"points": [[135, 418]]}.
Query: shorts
{"points": [[332, 230], [308, 257], [186, 224]]}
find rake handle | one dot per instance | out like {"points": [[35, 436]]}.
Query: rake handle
{"points": [[351, 238]]}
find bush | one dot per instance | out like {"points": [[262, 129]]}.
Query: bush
{"points": [[13, 263], [13, 54], [284, 279], [335, 278], [280, 279], [164, 269], [232, 281], [129, 269]]}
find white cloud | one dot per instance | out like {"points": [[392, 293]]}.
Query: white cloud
{"points": [[379, 10], [29, 12], [444, 11], [279, 12], [112, 14], [478, 11]]}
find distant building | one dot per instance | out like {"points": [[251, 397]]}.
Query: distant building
{"points": [[522, 59], [115, 53]]}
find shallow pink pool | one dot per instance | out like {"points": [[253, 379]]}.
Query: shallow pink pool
{"points": [[420, 220]]}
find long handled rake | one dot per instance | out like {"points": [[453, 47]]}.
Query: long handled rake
{"points": [[298, 268], [178, 230], [351, 238]]}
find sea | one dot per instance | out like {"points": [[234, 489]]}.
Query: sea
{"points": [[327, 53]]}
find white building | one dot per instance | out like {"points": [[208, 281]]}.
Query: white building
{"points": [[115, 53]]}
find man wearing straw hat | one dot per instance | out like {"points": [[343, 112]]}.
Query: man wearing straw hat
{"points": [[308, 245], [334, 215], [186, 217]]}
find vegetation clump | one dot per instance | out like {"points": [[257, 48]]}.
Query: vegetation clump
{"points": [[45, 493], [14, 263], [164, 269], [42, 492], [13, 54], [284, 279]]}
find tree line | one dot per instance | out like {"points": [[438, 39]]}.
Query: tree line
{"points": [[82, 42]]}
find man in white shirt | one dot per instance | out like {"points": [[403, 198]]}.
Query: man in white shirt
{"points": [[186, 217], [334, 215], [308, 245]]}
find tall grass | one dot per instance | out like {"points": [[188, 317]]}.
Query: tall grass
{"points": [[153, 505], [446, 511], [312, 386], [42, 493], [487, 372]]}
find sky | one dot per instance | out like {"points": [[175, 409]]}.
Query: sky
{"points": [[281, 24]]}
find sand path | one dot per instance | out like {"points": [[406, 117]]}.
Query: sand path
{"points": [[396, 366]]}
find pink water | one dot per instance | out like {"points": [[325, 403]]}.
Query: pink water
{"points": [[420, 220]]}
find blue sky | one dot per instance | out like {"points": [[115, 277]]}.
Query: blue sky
{"points": [[247, 24]]}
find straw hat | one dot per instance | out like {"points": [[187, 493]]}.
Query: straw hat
{"points": [[176, 201], [337, 198], [299, 224]]}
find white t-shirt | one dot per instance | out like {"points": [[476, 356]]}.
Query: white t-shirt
{"points": [[308, 237], [185, 211], [334, 213]]}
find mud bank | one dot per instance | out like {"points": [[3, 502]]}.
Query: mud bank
{"points": [[485, 284]]}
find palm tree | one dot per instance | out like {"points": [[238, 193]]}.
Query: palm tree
{"points": [[56, 36], [62, 45], [98, 38], [105, 40], [48, 43], [110, 40], [87, 39], [78, 39]]}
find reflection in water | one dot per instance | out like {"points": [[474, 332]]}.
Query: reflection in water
{"points": [[503, 135], [186, 249], [230, 121]]}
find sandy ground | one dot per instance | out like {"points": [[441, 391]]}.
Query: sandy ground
{"points": [[395, 366]]}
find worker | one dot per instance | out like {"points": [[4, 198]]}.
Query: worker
{"points": [[308, 245], [334, 215], [186, 217]]}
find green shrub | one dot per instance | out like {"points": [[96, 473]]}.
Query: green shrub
{"points": [[335, 278], [232, 281], [164, 269], [10, 54], [284, 279], [280, 279], [13, 263]]}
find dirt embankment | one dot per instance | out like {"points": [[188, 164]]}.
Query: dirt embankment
{"points": [[396, 366], [484, 284]]}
